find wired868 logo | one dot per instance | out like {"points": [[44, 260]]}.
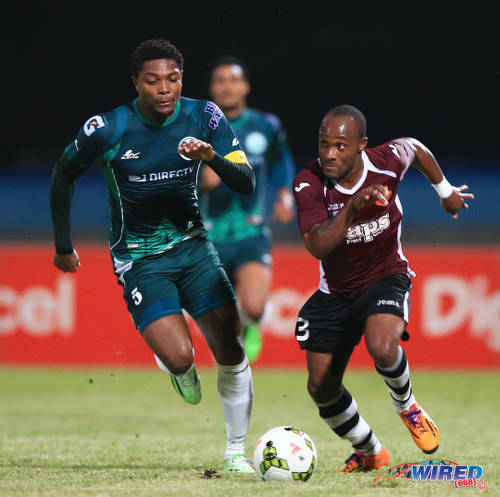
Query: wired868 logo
{"points": [[435, 470]]}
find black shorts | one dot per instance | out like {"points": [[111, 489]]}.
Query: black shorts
{"points": [[334, 323]]}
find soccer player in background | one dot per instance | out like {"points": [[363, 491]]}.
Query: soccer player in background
{"points": [[150, 150], [237, 224], [349, 215]]}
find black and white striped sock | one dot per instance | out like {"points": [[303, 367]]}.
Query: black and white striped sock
{"points": [[397, 379], [342, 416]]}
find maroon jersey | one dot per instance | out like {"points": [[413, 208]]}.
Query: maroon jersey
{"points": [[372, 247]]}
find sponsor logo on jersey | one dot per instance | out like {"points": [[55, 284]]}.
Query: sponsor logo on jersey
{"points": [[216, 114], [185, 140], [92, 124], [161, 176], [256, 143], [333, 209], [366, 232], [130, 154], [301, 187]]}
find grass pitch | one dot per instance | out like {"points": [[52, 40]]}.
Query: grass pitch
{"points": [[111, 432]]}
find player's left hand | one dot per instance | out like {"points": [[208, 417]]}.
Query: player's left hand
{"points": [[196, 150], [283, 207], [456, 201]]}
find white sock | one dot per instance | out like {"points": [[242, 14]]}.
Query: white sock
{"points": [[342, 416], [236, 394], [397, 379]]}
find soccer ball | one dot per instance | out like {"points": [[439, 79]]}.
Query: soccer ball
{"points": [[285, 453]]}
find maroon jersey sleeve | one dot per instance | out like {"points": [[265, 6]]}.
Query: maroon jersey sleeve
{"points": [[309, 200], [395, 155]]}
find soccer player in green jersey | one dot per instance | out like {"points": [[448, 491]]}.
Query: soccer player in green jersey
{"points": [[150, 151], [237, 224]]}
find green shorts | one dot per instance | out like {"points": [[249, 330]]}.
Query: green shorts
{"points": [[190, 276], [235, 254]]}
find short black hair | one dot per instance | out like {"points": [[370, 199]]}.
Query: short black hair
{"points": [[350, 111], [154, 49], [230, 60]]}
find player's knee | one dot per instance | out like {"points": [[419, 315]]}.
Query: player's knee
{"points": [[380, 348], [254, 308], [180, 363], [323, 391]]}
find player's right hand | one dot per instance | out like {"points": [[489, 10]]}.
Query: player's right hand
{"points": [[369, 195], [68, 263]]}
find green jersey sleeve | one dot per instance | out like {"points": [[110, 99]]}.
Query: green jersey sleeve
{"points": [[230, 161], [97, 135]]}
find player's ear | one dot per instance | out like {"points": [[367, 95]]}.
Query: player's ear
{"points": [[363, 143], [134, 82]]}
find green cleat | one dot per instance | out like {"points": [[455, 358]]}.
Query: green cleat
{"points": [[252, 342], [238, 464], [188, 386]]}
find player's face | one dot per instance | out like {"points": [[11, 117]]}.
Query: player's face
{"points": [[340, 147], [159, 86], [228, 86]]}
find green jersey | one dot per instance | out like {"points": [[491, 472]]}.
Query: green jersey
{"points": [[152, 189], [231, 217]]}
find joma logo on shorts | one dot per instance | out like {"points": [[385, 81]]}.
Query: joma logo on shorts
{"points": [[367, 231], [395, 303]]}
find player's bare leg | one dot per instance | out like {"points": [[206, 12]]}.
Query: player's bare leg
{"points": [[221, 329], [170, 340], [382, 337], [340, 412], [252, 286]]}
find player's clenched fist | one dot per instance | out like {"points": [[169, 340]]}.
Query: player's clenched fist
{"points": [[369, 195], [196, 150], [68, 263]]}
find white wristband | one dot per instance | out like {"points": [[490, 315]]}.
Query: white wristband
{"points": [[443, 188]]}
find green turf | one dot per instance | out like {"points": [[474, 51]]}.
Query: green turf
{"points": [[111, 432]]}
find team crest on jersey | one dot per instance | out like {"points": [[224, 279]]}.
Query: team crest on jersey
{"points": [[92, 124], [256, 143], [216, 113], [184, 140], [387, 195]]}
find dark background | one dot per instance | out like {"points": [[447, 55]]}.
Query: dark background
{"points": [[415, 69], [421, 69]]}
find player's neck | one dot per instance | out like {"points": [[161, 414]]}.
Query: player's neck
{"points": [[354, 175], [234, 112]]}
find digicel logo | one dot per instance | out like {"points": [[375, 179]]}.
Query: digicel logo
{"points": [[39, 310]]}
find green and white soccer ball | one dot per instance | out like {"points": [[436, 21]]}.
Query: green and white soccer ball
{"points": [[285, 453]]}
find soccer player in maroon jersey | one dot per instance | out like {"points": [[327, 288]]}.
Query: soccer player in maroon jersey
{"points": [[349, 215]]}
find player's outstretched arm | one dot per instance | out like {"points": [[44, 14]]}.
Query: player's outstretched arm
{"points": [[61, 194], [237, 176], [324, 237], [453, 198]]}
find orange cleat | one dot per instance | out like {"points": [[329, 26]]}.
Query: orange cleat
{"points": [[423, 430], [359, 462]]}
